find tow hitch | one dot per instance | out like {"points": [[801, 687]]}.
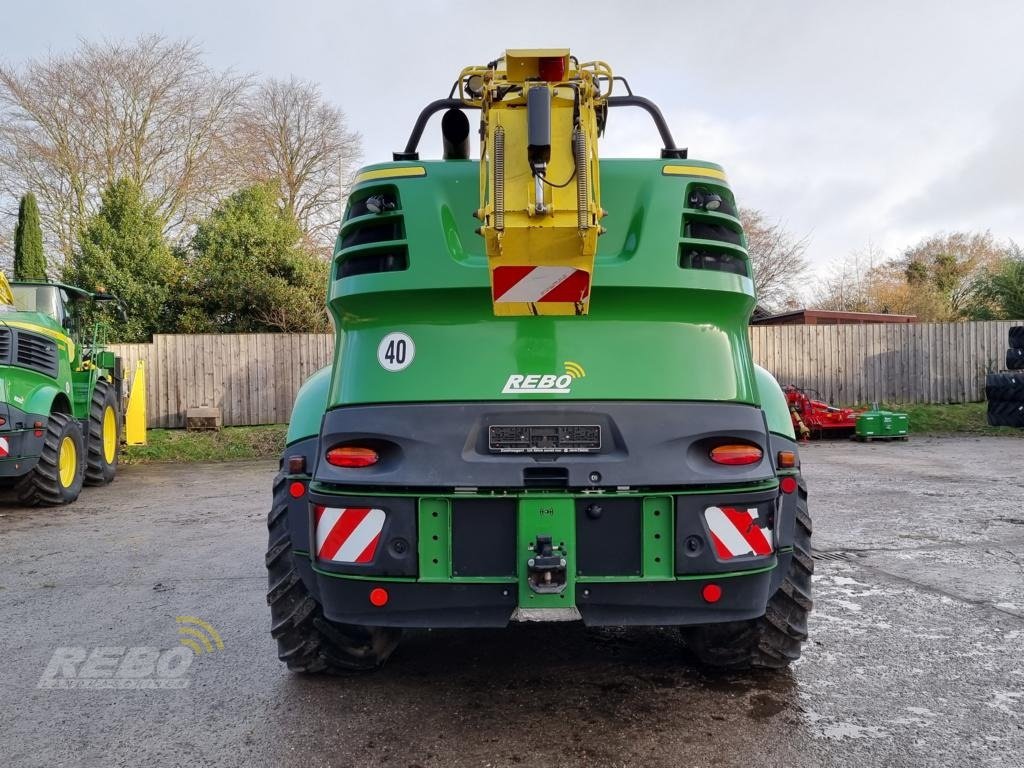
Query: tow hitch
{"points": [[546, 569]]}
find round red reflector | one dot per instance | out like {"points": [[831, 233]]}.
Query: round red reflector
{"points": [[712, 593], [378, 597], [736, 454], [296, 489], [352, 456], [787, 484]]}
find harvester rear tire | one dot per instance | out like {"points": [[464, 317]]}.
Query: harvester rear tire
{"points": [[774, 640], [46, 485], [306, 641], [101, 460]]}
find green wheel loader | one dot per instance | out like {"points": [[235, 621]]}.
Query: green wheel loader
{"points": [[60, 394], [543, 405]]}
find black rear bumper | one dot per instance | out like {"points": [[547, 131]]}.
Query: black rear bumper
{"points": [[463, 605]]}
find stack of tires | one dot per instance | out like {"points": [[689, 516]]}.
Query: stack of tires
{"points": [[1005, 391]]}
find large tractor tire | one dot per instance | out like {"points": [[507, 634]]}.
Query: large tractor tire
{"points": [[57, 478], [1004, 387], [775, 639], [1006, 414], [1016, 336], [306, 641], [104, 435]]}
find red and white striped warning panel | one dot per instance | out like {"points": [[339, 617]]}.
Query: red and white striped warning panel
{"points": [[735, 532], [348, 534], [537, 284], [5, 447]]}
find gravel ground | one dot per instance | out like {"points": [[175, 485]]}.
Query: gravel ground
{"points": [[916, 656]]}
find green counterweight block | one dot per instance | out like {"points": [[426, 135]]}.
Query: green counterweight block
{"points": [[882, 425]]}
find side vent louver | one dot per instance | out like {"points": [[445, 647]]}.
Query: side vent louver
{"points": [[36, 352], [712, 236], [372, 235], [5, 346]]}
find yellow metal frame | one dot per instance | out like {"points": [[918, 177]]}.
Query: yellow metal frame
{"points": [[555, 223]]}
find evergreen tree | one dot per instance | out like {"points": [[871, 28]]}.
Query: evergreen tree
{"points": [[29, 260], [251, 271], [122, 250]]}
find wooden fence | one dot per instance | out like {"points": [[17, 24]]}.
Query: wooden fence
{"points": [[894, 363], [253, 378]]}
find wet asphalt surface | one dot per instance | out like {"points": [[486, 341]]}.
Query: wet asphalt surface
{"points": [[916, 654]]}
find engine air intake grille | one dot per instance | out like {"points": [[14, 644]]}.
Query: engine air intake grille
{"points": [[36, 352], [5, 346]]}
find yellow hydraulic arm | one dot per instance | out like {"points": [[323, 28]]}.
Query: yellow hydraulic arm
{"points": [[540, 203]]}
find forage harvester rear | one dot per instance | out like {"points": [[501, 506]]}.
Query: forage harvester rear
{"points": [[543, 405]]}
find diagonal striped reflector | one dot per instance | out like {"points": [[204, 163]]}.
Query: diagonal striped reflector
{"points": [[348, 534], [539, 284], [735, 532]]}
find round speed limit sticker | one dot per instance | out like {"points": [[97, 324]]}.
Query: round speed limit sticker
{"points": [[396, 351]]}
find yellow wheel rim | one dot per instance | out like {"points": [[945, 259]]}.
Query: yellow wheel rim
{"points": [[68, 462], [109, 434]]}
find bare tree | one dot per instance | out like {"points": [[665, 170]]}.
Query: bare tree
{"points": [[777, 257], [288, 134], [149, 110], [846, 287]]}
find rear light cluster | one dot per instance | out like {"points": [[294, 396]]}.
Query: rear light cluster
{"points": [[737, 454], [352, 456]]}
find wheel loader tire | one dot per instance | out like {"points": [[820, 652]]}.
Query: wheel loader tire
{"points": [[1017, 337], [306, 641], [104, 435], [1004, 387], [1006, 414], [773, 640], [57, 478], [1015, 359]]}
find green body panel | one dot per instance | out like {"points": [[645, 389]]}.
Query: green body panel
{"points": [[774, 405], [875, 424], [655, 331], [658, 538], [435, 547], [310, 404], [33, 391]]}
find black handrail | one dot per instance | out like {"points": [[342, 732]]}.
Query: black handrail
{"points": [[412, 145], [670, 150]]}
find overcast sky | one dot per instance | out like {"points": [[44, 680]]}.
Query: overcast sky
{"points": [[851, 122]]}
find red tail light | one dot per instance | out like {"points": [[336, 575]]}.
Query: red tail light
{"points": [[551, 68], [352, 456], [734, 455]]}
